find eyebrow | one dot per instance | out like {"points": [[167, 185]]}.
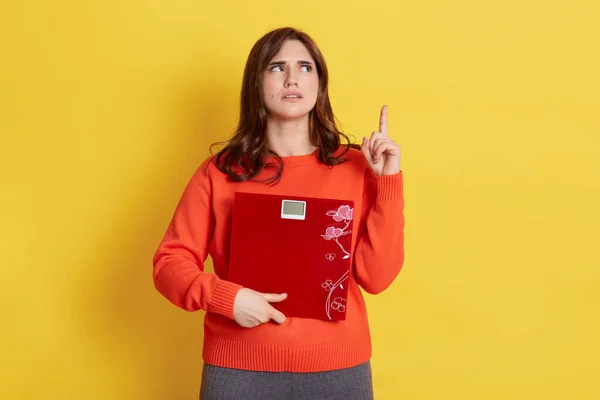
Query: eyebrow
{"points": [[301, 62]]}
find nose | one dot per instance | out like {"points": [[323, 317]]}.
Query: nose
{"points": [[291, 79]]}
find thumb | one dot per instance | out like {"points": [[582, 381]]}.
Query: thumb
{"points": [[365, 148], [274, 298], [277, 315]]}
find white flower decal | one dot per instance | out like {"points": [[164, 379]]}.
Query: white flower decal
{"points": [[327, 285], [338, 304], [333, 233], [344, 214]]}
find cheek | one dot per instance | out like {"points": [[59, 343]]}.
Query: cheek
{"points": [[314, 84], [314, 87], [267, 87], [269, 90]]}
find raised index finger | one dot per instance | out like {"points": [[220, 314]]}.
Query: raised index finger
{"points": [[383, 120]]}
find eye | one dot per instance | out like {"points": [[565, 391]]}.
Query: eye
{"points": [[306, 68], [276, 68]]}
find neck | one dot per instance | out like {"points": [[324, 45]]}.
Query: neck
{"points": [[289, 138]]}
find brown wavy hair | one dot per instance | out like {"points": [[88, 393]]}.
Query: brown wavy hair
{"points": [[245, 155]]}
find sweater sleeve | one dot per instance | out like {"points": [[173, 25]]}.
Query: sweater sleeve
{"points": [[379, 252], [178, 263]]}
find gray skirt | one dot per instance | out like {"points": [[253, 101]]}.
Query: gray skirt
{"points": [[354, 383]]}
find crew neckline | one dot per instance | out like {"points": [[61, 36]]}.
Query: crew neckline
{"points": [[297, 160]]}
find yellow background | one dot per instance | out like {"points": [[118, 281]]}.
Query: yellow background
{"points": [[107, 107]]}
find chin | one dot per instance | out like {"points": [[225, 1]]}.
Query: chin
{"points": [[290, 115]]}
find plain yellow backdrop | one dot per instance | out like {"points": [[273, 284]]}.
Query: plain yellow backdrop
{"points": [[107, 107]]}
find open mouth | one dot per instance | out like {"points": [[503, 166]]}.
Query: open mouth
{"points": [[292, 96]]}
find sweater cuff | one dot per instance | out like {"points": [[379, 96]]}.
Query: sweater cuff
{"points": [[223, 298], [390, 187]]}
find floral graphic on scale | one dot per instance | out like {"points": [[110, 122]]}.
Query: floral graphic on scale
{"points": [[344, 215]]}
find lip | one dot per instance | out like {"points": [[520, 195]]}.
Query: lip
{"points": [[292, 94]]}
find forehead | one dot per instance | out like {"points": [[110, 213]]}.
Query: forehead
{"points": [[293, 50]]}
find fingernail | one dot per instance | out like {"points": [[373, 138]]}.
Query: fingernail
{"points": [[364, 140], [285, 295]]}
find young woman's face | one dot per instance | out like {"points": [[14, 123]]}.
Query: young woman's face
{"points": [[290, 82]]}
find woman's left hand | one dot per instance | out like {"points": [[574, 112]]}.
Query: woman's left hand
{"points": [[382, 153]]}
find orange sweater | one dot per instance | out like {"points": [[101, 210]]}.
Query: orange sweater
{"points": [[201, 226]]}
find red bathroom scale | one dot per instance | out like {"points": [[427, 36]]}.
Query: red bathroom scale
{"points": [[295, 245]]}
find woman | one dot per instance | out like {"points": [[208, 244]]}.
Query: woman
{"points": [[287, 143]]}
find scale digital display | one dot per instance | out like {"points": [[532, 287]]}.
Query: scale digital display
{"points": [[293, 209]]}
